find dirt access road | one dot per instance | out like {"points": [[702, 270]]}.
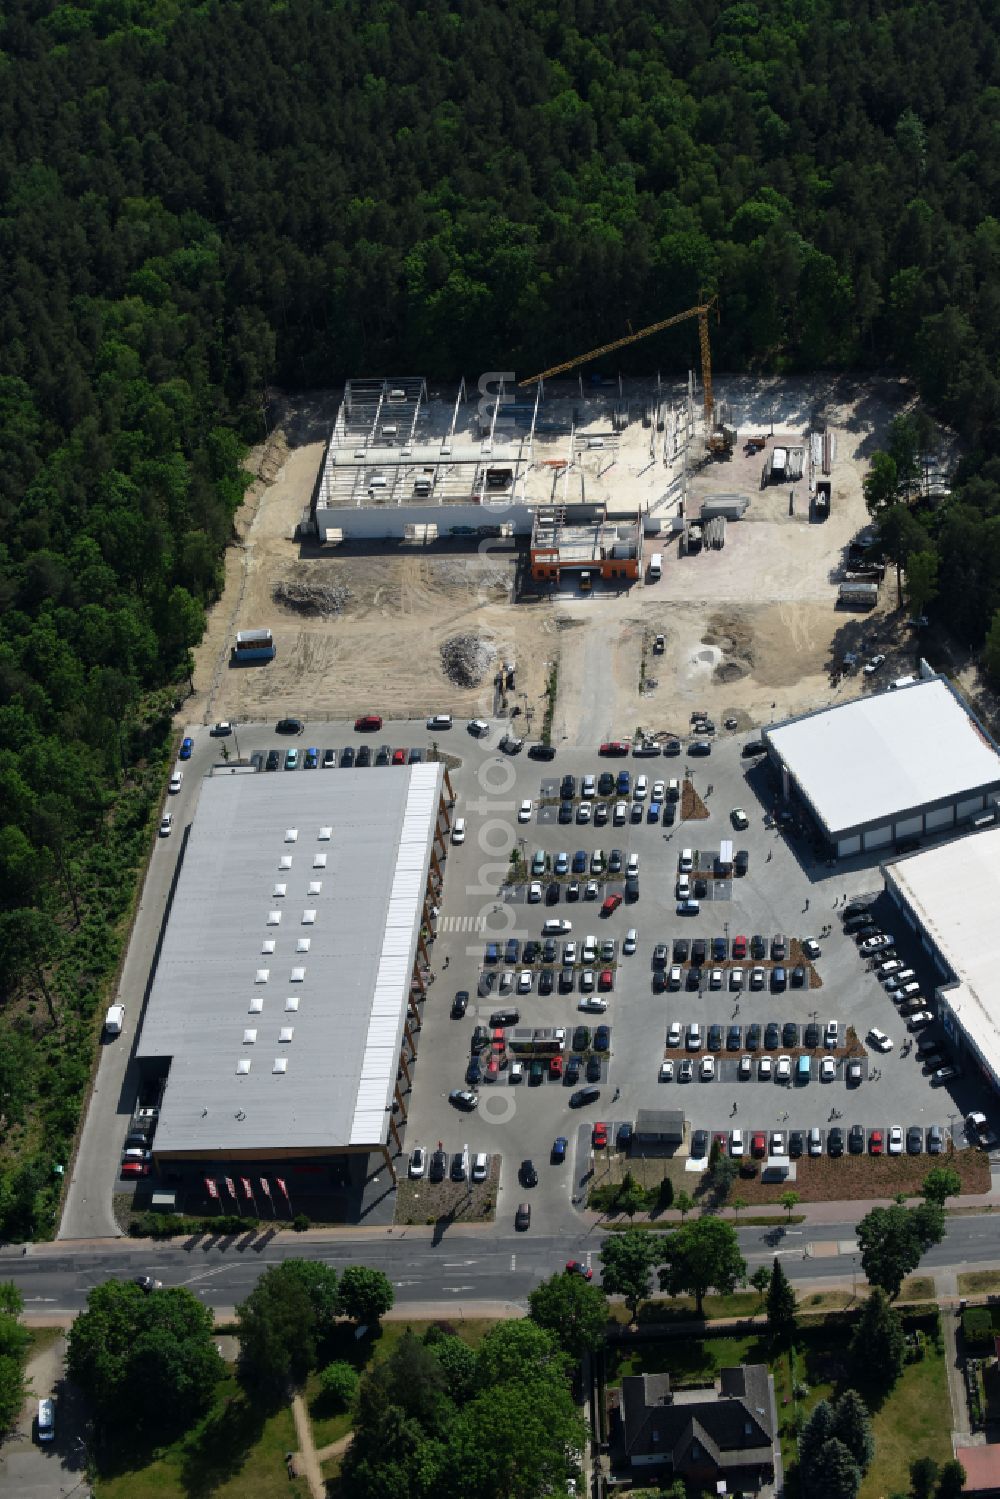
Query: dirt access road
{"points": [[751, 630]]}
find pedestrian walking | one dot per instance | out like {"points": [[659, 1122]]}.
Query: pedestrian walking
{"points": [[770, 856], [446, 961], [806, 906]]}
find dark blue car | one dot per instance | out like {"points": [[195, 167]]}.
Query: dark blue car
{"points": [[580, 861], [558, 1150], [602, 1038], [187, 745]]}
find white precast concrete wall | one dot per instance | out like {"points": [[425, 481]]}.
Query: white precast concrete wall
{"points": [[389, 522]]}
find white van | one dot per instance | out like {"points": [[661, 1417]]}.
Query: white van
{"points": [[458, 831], [656, 567], [114, 1020], [46, 1424]]}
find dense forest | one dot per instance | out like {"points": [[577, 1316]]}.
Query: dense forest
{"points": [[198, 201]]}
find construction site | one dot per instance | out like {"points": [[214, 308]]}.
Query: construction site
{"points": [[564, 522]]}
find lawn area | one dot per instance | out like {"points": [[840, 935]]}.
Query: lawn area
{"points": [[692, 1361], [914, 1422], [978, 1282], [236, 1451], [233, 1452]]}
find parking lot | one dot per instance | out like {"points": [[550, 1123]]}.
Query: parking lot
{"points": [[786, 893]]}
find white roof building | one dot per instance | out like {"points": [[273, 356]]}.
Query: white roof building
{"points": [[951, 895], [280, 994], [893, 766]]}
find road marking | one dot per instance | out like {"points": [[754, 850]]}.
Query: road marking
{"points": [[589, 1253], [461, 924], [39, 1298], [458, 1288], [457, 1264], [513, 1262]]}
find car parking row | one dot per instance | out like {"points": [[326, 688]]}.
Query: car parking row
{"points": [[328, 759], [565, 980], [816, 1140], [719, 949], [771, 1035], [717, 978], [546, 950]]}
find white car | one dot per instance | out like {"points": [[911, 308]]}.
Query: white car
{"points": [[506, 981], [686, 863], [516, 1072], [620, 814], [739, 818], [666, 1072], [534, 893], [597, 861], [587, 980], [583, 812], [683, 887], [588, 788], [898, 979], [589, 949], [439, 721], [887, 969], [675, 978], [715, 979], [674, 1034], [176, 781], [480, 1168], [736, 1146], [783, 1071], [555, 926], [418, 1161], [458, 831], [827, 1070], [569, 954], [524, 981], [688, 907], [524, 812], [872, 666], [694, 1036], [593, 1002], [640, 789], [919, 1020], [632, 864], [591, 890], [166, 824], [631, 940], [879, 1039], [831, 1036], [880, 939], [811, 947], [707, 1069], [756, 978], [221, 730], [765, 1069], [815, 1141], [478, 726], [736, 978], [659, 791], [894, 1144], [673, 790]]}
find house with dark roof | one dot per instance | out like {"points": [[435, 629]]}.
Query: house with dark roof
{"points": [[726, 1433]]}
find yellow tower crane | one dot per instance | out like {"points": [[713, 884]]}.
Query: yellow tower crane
{"points": [[700, 312]]}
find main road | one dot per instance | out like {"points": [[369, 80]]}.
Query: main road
{"points": [[460, 1267]]}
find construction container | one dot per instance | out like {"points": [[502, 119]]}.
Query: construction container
{"points": [[857, 595], [732, 506], [253, 645]]}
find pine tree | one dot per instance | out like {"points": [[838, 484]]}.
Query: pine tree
{"points": [[878, 1348], [852, 1425], [780, 1306], [837, 1475], [817, 1431]]}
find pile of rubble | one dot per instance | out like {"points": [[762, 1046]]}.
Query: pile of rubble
{"points": [[311, 598], [467, 659]]}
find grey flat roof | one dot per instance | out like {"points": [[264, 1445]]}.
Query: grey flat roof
{"points": [[868, 761], [954, 892], [336, 860]]}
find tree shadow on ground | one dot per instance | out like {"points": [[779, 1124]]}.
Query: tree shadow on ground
{"points": [[220, 1448]]}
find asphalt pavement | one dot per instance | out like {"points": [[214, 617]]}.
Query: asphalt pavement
{"points": [[463, 1265]]}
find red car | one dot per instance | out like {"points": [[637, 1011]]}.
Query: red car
{"points": [[721, 1138], [399, 757], [576, 1267], [610, 904], [555, 1067], [606, 980], [875, 1142], [739, 947], [758, 1146], [367, 723], [616, 747], [492, 1070], [136, 1168], [600, 1137]]}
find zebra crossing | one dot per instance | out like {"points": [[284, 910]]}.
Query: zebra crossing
{"points": [[462, 924]]}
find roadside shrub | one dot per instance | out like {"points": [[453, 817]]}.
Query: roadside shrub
{"points": [[301, 1222], [977, 1325], [340, 1384]]}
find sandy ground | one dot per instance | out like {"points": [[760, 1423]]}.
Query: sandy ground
{"points": [[751, 630]]}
